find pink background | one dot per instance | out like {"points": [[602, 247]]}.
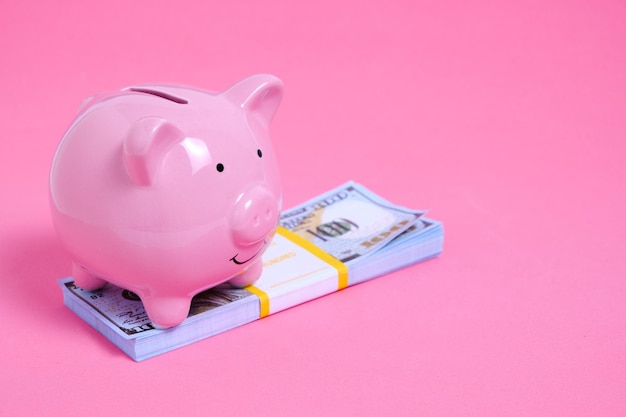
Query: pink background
{"points": [[506, 119]]}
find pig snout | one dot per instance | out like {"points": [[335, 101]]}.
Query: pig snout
{"points": [[255, 215]]}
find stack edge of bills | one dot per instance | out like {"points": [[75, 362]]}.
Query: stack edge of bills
{"points": [[341, 238]]}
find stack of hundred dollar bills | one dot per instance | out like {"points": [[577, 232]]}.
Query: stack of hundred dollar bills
{"points": [[365, 236]]}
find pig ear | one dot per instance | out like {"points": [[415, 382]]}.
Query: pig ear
{"points": [[146, 145], [259, 95]]}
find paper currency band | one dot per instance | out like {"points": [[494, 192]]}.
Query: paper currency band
{"points": [[263, 298], [340, 267]]}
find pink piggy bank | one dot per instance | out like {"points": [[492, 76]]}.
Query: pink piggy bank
{"points": [[168, 191]]}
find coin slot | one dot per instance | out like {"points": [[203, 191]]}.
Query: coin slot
{"points": [[161, 94]]}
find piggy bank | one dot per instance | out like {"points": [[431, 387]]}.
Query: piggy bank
{"points": [[167, 191]]}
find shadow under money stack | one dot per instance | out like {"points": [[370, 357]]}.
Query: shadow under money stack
{"points": [[341, 238]]}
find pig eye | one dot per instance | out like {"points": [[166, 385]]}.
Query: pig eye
{"points": [[219, 167], [258, 152]]}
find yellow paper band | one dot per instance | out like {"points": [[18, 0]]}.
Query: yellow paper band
{"points": [[340, 267], [263, 298]]}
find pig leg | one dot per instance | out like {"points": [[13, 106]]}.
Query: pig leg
{"points": [[166, 312], [248, 276], [85, 279]]}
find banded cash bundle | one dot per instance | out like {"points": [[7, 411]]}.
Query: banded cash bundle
{"points": [[341, 238]]}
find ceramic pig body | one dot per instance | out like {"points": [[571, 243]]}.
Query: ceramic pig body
{"points": [[167, 191]]}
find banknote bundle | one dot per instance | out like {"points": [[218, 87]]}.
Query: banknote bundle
{"points": [[341, 238]]}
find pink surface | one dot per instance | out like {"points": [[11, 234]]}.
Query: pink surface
{"points": [[508, 121]]}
